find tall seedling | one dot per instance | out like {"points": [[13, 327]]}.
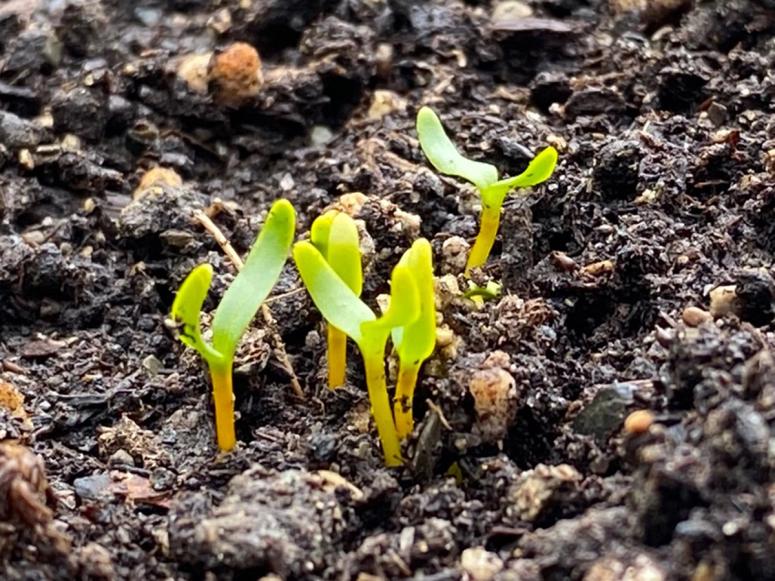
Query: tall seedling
{"points": [[239, 305]]}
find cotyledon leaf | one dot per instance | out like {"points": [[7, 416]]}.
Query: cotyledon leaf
{"points": [[445, 157], [344, 253], [538, 170], [339, 305], [187, 306], [420, 334], [404, 304], [256, 279], [321, 231]]}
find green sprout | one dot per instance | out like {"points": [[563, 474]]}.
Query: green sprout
{"points": [[335, 235], [342, 308], [414, 342], [235, 311], [443, 155]]}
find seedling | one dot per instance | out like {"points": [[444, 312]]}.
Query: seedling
{"points": [[235, 311], [335, 235], [342, 308], [443, 155], [414, 342]]}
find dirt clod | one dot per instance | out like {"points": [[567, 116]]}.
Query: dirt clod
{"points": [[235, 74], [258, 525], [527, 461], [495, 396], [24, 490]]}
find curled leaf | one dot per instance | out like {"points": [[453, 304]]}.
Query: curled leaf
{"points": [[187, 306]]}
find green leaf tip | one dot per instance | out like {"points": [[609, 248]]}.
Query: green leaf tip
{"points": [[445, 157], [321, 231], [335, 300], [255, 281]]}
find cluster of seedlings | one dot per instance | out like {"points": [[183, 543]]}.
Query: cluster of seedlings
{"points": [[330, 265]]}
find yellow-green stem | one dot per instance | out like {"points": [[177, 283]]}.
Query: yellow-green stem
{"points": [[488, 230], [337, 357], [223, 398], [380, 406], [402, 405]]}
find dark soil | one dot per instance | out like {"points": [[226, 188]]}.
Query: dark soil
{"points": [[663, 112]]}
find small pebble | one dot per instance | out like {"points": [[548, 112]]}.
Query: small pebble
{"points": [[638, 422], [600, 268], [192, 69], [563, 262], [121, 458], [155, 177], [510, 10], [495, 396], [152, 365], [717, 114], [722, 300], [480, 564], [454, 253], [320, 135], [695, 316]]}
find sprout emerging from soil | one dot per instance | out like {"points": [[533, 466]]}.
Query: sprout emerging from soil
{"points": [[235, 311], [335, 235], [443, 155], [342, 308], [414, 342]]}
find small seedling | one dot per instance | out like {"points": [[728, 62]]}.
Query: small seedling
{"points": [[342, 308], [414, 342], [443, 155], [335, 235], [235, 311]]}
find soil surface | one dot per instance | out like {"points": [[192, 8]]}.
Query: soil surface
{"points": [[640, 277]]}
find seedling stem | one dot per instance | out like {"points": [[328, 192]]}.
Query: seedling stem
{"points": [[407, 380]]}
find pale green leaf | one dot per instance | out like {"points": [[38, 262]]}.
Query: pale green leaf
{"points": [[344, 253], [404, 304], [415, 342], [321, 231], [445, 157], [256, 279], [539, 170], [338, 304]]}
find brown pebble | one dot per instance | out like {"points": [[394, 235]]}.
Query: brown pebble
{"points": [[235, 74], [157, 176], [563, 262], [638, 422], [695, 316], [192, 69], [600, 268]]}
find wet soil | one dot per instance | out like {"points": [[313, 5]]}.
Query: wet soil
{"points": [[521, 466]]}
